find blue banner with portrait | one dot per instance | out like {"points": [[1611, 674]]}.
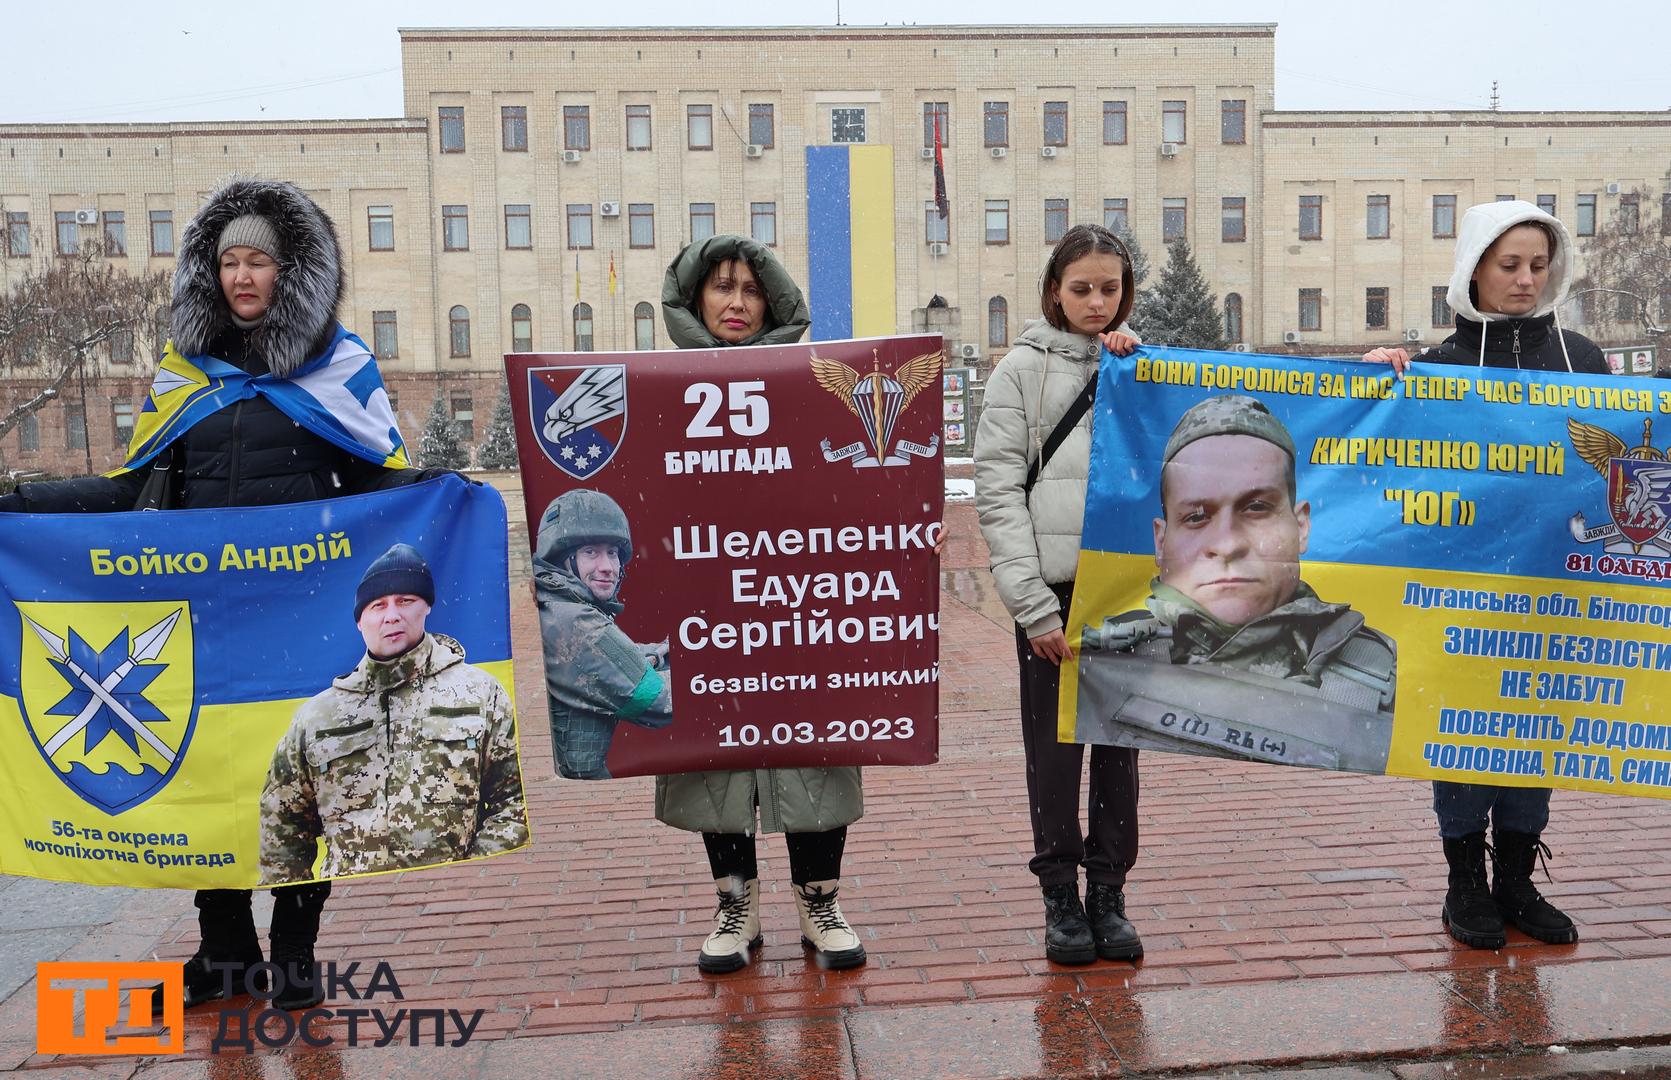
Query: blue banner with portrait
{"points": [[1454, 575], [185, 693]]}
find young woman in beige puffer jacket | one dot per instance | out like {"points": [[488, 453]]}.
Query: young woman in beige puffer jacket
{"points": [[1086, 293]]}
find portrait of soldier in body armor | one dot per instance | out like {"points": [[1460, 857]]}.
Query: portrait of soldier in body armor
{"points": [[1235, 655]]}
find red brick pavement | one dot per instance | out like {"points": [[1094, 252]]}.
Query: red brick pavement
{"points": [[1249, 874]]}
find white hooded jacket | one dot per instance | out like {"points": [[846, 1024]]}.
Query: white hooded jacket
{"points": [[1481, 226]]}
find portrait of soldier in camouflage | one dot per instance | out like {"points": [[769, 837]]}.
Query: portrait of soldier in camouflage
{"points": [[408, 760], [1236, 656], [595, 676]]}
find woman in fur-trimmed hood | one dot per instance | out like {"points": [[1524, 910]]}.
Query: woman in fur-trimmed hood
{"points": [[292, 410]]}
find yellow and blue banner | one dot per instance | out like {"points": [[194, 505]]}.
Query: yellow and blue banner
{"points": [[151, 662], [1456, 575], [850, 241]]}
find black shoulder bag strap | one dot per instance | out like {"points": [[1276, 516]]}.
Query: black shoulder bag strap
{"points": [[1060, 432], [161, 490]]}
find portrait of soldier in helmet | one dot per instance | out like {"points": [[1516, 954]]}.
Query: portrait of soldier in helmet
{"points": [[1235, 655], [408, 760], [595, 676]]}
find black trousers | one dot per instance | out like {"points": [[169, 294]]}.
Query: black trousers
{"points": [[813, 856], [1108, 847], [296, 910]]}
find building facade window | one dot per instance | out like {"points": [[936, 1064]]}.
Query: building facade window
{"points": [[641, 225], [577, 127], [1442, 315], [1233, 220], [762, 222], [848, 125], [75, 426], [455, 228], [29, 433], [1055, 219], [937, 113], [17, 233], [995, 123], [1233, 316], [997, 221], [121, 415], [1174, 219], [583, 328], [638, 127], [1546, 203], [1586, 215], [578, 217], [1113, 123], [1444, 217], [1375, 302], [522, 328], [162, 232], [452, 129], [519, 227], [513, 128], [1630, 214], [1311, 309], [69, 233], [1232, 122], [1377, 217], [643, 327], [464, 414], [1174, 121], [380, 228], [997, 322], [121, 347], [385, 335], [936, 229], [115, 232], [762, 125], [458, 330], [1055, 123], [1116, 215], [699, 127], [1311, 217], [701, 220]]}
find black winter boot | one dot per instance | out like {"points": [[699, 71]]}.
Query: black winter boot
{"points": [[1515, 856], [296, 911], [227, 947], [1469, 913], [1067, 932], [1105, 908]]}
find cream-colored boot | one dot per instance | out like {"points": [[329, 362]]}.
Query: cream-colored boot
{"points": [[823, 927], [736, 926]]}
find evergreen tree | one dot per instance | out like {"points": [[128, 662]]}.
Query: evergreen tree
{"points": [[439, 448], [1181, 308], [498, 450], [1139, 260]]}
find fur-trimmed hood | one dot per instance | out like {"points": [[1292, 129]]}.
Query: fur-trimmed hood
{"points": [[302, 317], [786, 311]]}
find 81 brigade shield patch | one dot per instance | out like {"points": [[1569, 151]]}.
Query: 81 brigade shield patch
{"points": [[579, 415]]}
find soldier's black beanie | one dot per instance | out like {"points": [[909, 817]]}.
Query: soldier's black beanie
{"points": [[401, 570]]}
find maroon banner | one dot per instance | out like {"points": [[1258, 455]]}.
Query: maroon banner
{"points": [[733, 553]]}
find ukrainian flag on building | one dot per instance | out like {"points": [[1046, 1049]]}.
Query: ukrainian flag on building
{"points": [[850, 241]]}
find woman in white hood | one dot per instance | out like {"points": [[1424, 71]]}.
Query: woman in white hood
{"points": [[1513, 270]]}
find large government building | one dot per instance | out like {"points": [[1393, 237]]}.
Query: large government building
{"points": [[541, 180]]}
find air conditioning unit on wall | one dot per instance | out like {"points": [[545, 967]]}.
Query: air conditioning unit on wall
{"points": [[86, 217], [1413, 334], [1168, 149], [1290, 337], [1000, 151], [938, 248], [927, 153], [571, 157], [609, 209], [1241, 346], [754, 150], [1612, 189], [1047, 151], [969, 351]]}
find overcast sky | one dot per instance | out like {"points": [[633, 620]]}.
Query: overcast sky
{"points": [[119, 60]]}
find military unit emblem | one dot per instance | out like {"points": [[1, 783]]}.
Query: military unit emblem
{"points": [[878, 399], [109, 695], [1638, 491], [579, 415]]}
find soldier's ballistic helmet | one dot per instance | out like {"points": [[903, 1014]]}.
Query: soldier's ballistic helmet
{"points": [[1228, 414], [399, 571], [580, 517]]}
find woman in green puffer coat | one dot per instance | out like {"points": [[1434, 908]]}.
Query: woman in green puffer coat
{"points": [[720, 292]]}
